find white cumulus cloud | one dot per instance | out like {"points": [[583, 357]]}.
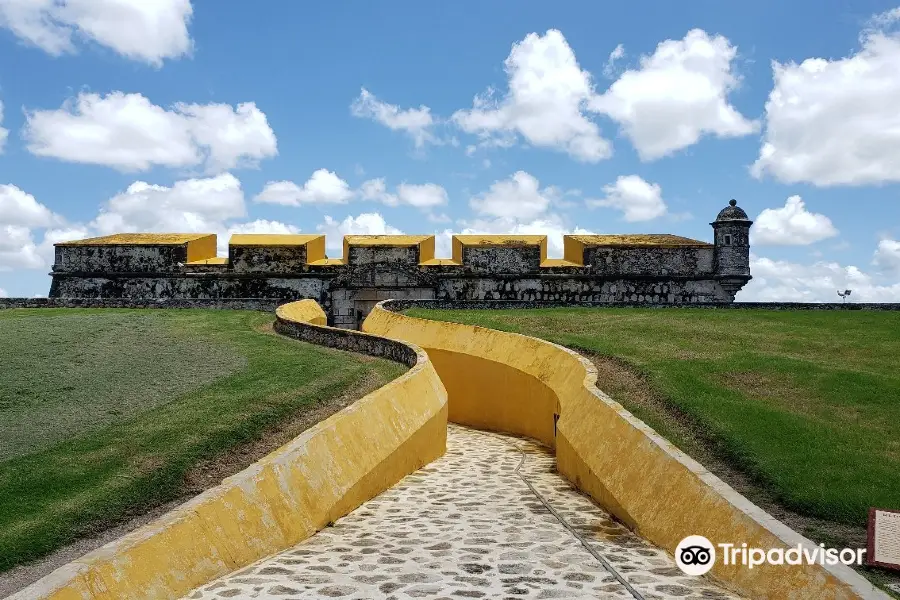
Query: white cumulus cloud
{"points": [[18, 207], [791, 225], [21, 216], [679, 94], [835, 121], [638, 200], [323, 187], [130, 133], [426, 195], [18, 249], [784, 281], [520, 197], [145, 30], [264, 226], [363, 224], [415, 122], [191, 206], [887, 255], [545, 103], [609, 69], [376, 189]]}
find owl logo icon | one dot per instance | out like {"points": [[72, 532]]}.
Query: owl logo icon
{"points": [[695, 555]]}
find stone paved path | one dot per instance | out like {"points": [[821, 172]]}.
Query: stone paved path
{"points": [[469, 526]]}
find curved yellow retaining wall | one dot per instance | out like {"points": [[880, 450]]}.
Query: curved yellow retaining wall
{"points": [[517, 384], [323, 474], [303, 311]]}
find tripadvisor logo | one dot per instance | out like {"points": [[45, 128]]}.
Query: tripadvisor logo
{"points": [[696, 555]]}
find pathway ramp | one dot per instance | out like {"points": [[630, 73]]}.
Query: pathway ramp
{"points": [[491, 519]]}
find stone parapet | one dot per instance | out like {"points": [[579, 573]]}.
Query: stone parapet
{"points": [[256, 253], [653, 269]]}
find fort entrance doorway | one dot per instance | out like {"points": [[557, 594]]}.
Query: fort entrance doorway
{"points": [[350, 307]]}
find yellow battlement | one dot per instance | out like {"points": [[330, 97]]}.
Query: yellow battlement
{"points": [[272, 239], [574, 245], [425, 243], [307, 248], [261, 252], [497, 241], [216, 260], [140, 239], [198, 246]]}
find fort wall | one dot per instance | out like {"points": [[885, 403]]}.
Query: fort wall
{"points": [[652, 269]]}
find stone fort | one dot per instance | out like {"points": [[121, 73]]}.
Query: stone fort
{"points": [[653, 268]]}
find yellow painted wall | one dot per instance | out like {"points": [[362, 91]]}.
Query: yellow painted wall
{"points": [[303, 311], [321, 475], [525, 408], [608, 453]]}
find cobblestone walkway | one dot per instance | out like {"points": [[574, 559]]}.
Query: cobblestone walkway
{"points": [[469, 526]]}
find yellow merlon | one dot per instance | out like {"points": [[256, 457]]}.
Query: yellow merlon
{"points": [[272, 239], [501, 240], [424, 242], [202, 247], [143, 239], [498, 241], [559, 262], [386, 240], [638, 240], [574, 245], [216, 260], [439, 262]]}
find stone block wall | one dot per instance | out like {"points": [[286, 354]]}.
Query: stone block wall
{"points": [[134, 253], [262, 259], [657, 269], [671, 262]]}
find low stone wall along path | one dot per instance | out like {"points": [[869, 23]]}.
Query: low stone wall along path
{"points": [[491, 519]]}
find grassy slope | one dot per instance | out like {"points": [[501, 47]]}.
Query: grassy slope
{"points": [[130, 401], [806, 402]]}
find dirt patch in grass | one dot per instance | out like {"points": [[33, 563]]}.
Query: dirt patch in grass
{"points": [[628, 386], [205, 475], [770, 387]]}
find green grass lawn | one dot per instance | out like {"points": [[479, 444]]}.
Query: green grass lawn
{"points": [[806, 403], [104, 412]]}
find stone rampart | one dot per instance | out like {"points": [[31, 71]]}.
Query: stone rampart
{"points": [[657, 269]]}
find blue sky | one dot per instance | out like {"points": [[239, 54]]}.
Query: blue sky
{"points": [[364, 117]]}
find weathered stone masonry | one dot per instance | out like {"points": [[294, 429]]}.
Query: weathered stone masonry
{"points": [[654, 269]]}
